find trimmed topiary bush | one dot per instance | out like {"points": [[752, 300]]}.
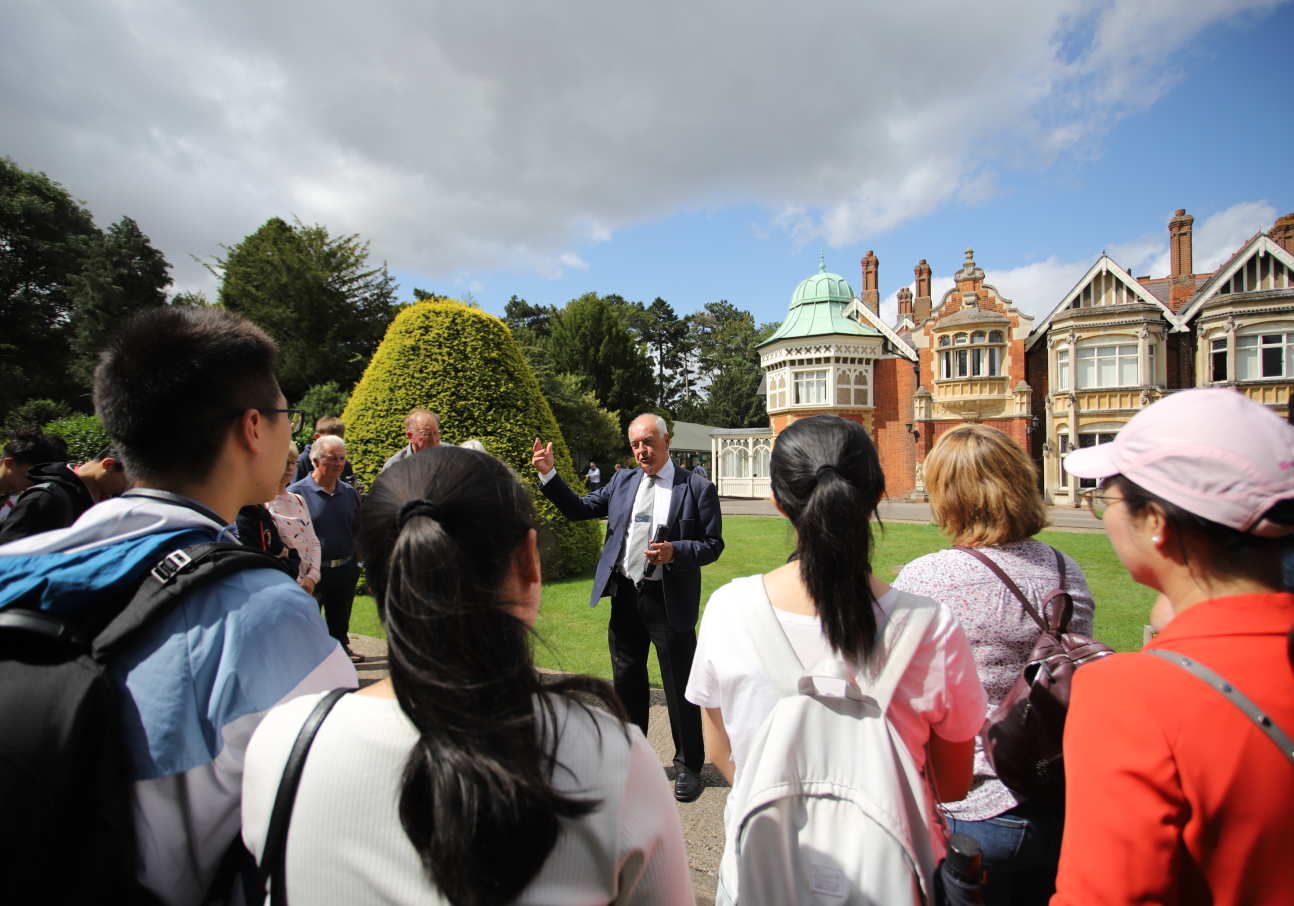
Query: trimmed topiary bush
{"points": [[465, 365], [85, 436]]}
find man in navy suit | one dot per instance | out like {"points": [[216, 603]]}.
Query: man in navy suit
{"points": [[655, 587]]}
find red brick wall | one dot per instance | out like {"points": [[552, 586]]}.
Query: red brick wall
{"points": [[892, 389]]}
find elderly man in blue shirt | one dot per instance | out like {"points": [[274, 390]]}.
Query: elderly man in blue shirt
{"points": [[333, 504]]}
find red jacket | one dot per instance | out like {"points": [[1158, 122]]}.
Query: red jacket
{"points": [[1173, 795]]}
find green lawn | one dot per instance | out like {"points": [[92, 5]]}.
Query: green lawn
{"points": [[572, 637]]}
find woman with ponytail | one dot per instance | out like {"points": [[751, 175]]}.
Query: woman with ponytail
{"points": [[463, 779], [827, 480]]}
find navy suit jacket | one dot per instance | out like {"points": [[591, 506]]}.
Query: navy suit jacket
{"points": [[695, 529]]}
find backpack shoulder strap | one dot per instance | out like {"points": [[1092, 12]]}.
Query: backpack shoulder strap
{"points": [[908, 623], [773, 647], [172, 576], [1244, 703], [273, 857], [1009, 583]]}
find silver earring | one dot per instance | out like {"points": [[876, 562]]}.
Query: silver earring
{"points": [[1155, 539]]}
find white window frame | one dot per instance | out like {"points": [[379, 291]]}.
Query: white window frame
{"points": [[1116, 353], [1252, 348], [1062, 368], [811, 387]]}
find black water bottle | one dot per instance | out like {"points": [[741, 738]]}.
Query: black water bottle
{"points": [[963, 871]]}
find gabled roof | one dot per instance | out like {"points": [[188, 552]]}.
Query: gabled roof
{"points": [[1103, 264], [1259, 244], [857, 309]]}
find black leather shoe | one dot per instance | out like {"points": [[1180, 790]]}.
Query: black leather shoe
{"points": [[687, 786]]}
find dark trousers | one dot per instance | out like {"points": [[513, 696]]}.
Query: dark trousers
{"points": [[335, 594], [637, 618]]}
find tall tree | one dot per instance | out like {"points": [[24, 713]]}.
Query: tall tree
{"points": [[45, 236], [316, 294], [589, 338], [122, 274], [725, 338]]}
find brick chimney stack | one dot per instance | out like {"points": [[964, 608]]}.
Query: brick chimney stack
{"points": [[1283, 233], [871, 295], [1182, 284], [922, 304], [905, 303]]}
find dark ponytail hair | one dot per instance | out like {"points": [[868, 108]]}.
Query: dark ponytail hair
{"points": [[438, 533], [827, 478]]}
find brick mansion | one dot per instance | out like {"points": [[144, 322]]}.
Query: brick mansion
{"points": [[1111, 346]]}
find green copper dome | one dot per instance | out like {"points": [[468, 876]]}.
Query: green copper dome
{"points": [[822, 287], [818, 309]]}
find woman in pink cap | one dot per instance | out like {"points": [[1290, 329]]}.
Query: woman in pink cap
{"points": [[1178, 789]]}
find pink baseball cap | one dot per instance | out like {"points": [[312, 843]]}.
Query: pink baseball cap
{"points": [[1213, 452]]}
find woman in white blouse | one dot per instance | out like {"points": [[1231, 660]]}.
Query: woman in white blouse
{"points": [[292, 519], [464, 778]]}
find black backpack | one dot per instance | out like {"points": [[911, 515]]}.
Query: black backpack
{"points": [[66, 824]]}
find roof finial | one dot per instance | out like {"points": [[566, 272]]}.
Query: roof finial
{"points": [[822, 261]]}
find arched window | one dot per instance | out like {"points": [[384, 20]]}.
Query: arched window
{"points": [[959, 339], [943, 341], [729, 463], [777, 390], [852, 387], [995, 336], [762, 454]]}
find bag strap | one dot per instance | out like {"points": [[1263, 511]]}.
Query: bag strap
{"points": [[901, 634], [1244, 703], [174, 575], [907, 624], [1009, 583], [1063, 622], [274, 855], [773, 648]]}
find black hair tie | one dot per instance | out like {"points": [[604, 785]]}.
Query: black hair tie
{"points": [[823, 470], [420, 508]]}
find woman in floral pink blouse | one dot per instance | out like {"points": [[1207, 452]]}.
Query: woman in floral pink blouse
{"points": [[984, 494], [292, 519]]}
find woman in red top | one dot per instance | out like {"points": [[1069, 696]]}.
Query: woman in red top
{"points": [[1173, 794]]}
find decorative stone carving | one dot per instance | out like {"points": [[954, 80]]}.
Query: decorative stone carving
{"points": [[970, 270]]}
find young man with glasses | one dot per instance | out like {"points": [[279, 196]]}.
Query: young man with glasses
{"points": [[190, 399]]}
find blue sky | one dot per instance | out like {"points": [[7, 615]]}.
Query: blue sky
{"points": [[692, 152]]}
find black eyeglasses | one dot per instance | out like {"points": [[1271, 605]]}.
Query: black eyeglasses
{"points": [[296, 417]]}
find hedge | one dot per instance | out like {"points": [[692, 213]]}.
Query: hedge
{"points": [[85, 436], [465, 365]]}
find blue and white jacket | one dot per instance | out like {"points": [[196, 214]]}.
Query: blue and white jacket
{"points": [[196, 685]]}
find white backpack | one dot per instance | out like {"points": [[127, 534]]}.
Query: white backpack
{"points": [[830, 808]]}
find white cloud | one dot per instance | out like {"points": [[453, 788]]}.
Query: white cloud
{"points": [[462, 137], [573, 261]]}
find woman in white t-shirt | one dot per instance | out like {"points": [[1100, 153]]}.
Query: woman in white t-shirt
{"points": [[827, 479], [463, 779]]}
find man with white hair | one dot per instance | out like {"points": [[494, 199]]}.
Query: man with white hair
{"points": [[422, 428], [655, 586], [333, 504]]}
